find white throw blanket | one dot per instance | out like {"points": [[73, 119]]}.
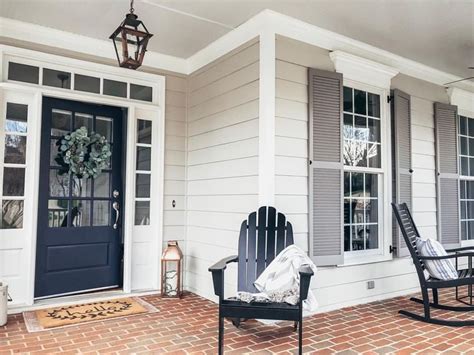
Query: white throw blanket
{"points": [[280, 281]]}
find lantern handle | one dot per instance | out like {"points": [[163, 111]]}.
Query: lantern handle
{"points": [[131, 7]]}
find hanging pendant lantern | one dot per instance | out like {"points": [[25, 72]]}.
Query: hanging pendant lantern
{"points": [[130, 40]]}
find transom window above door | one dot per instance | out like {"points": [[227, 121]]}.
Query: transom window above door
{"points": [[362, 156]]}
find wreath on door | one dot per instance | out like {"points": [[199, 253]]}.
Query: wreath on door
{"points": [[82, 155]]}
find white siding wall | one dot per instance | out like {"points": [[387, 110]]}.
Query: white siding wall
{"points": [[222, 162], [346, 285], [175, 159]]}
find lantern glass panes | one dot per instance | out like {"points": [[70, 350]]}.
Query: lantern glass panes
{"points": [[130, 41], [171, 271]]}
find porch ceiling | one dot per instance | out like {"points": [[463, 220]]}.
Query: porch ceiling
{"points": [[439, 34]]}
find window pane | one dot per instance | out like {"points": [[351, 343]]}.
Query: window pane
{"points": [[361, 131], [144, 158], [53, 152], [372, 236], [61, 122], [12, 214], [81, 187], [470, 210], [347, 184], [470, 124], [144, 131], [357, 184], [355, 153], [471, 147], [83, 120], [470, 189], [471, 166], [58, 184], [15, 149], [347, 238], [104, 126], [17, 115], [80, 213], [86, 83], [373, 103], [115, 88], [142, 213], [358, 237], [373, 155], [371, 211], [57, 213], [464, 166], [348, 106], [358, 211], [101, 215], [143, 185], [360, 102], [23, 72], [102, 185], [13, 182], [464, 230], [463, 125], [348, 129], [463, 210], [347, 211], [371, 185], [463, 145], [139, 92], [463, 189], [470, 229], [56, 78], [374, 130]]}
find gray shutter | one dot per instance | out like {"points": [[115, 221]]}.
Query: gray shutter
{"points": [[326, 169], [401, 162], [447, 174]]}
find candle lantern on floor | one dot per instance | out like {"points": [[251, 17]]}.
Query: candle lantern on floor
{"points": [[171, 268]]}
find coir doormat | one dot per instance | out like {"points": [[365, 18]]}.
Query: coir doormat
{"points": [[57, 317]]}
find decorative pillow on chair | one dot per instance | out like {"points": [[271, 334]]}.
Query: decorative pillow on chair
{"points": [[438, 269]]}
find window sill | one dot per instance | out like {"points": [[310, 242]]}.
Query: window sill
{"points": [[363, 260]]}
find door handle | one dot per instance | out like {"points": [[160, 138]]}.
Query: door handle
{"points": [[116, 207]]}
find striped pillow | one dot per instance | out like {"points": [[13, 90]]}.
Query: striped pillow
{"points": [[438, 269]]}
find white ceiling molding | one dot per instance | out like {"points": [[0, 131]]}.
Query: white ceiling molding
{"points": [[266, 20], [47, 36], [464, 100], [363, 70]]}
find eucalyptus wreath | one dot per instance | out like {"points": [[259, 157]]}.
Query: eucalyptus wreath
{"points": [[82, 155]]}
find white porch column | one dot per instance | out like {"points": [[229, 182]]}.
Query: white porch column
{"points": [[266, 142]]}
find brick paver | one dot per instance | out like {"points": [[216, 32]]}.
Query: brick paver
{"points": [[189, 326]]}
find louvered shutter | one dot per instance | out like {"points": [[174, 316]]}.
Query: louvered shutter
{"points": [[326, 168], [447, 174], [401, 162]]}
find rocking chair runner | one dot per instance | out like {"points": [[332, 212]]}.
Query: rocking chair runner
{"points": [[465, 277], [261, 240]]}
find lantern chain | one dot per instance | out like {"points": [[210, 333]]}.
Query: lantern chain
{"points": [[131, 7]]}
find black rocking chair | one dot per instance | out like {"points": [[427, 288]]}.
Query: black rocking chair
{"points": [[465, 277], [261, 239]]}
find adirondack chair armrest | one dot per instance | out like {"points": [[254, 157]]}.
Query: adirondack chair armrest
{"points": [[217, 271], [305, 278], [451, 256]]}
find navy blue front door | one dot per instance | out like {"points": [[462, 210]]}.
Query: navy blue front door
{"points": [[78, 246]]}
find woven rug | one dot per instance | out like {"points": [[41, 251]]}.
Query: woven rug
{"points": [[57, 317]]}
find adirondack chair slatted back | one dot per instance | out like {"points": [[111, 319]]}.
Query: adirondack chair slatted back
{"points": [[262, 237], [409, 232]]}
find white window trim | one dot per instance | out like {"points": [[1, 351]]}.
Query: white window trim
{"points": [[385, 193]]}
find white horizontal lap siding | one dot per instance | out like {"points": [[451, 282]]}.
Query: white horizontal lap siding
{"points": [[222, 162], [175, 159], [291, 131]]}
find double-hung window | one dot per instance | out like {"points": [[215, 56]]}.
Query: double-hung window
{"points": [[466, 182], [363, 146]]}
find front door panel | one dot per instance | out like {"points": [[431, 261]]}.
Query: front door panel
{"points": [[78, 247]]}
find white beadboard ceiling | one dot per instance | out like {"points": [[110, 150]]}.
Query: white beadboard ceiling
{"points": [[438, 33]]}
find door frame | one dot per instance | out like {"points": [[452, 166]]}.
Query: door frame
{"points": [[156, 112]]}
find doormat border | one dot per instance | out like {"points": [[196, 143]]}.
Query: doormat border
{"points": [[33, 324]]}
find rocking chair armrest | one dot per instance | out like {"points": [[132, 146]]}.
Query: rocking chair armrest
{"points": [[451, 256], [305, 278], [454, 250], [217, 271]]}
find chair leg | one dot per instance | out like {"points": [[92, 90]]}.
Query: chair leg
{"points": [[426, 302], [300, 337], [221, 335], [435, 296], [295, 326]]}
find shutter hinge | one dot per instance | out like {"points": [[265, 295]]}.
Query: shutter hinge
{"points": [[392, 249], [389, 99]]}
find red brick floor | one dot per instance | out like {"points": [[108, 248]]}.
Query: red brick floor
{"points": [[190, 326]]}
